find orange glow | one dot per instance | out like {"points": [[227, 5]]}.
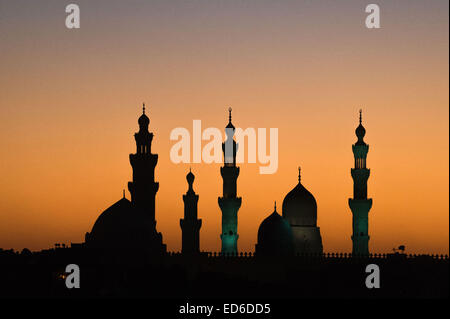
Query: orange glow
{"points": [[70, 101]]}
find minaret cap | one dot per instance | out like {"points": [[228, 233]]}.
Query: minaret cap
{"points": [[190, 178], [360, 130], [143, 121], [230, 125]]}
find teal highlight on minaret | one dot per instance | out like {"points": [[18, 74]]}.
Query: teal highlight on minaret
{"points": [[229, 203], [360, 205]]}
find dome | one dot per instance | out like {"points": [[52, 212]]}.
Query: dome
{"points": [[190, 178], [274, 236], [300, 207], [119, 225], [144, 120], [360, 132]]}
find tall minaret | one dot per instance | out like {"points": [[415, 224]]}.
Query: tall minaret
{"points": [[360, 204], [190, 225], [229, 203], [143, 188]]}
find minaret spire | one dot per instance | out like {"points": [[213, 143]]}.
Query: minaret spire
{"points": [[229, 203], [360, 205], [190, 224], [143, 187], [299, 174]]}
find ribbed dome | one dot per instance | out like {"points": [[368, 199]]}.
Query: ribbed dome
{"points": [[120, 225], [300, 207], [275, 236]]}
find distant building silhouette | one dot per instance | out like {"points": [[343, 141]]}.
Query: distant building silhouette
{"points": [[190, 225], [275, 236], [229, 203], [300, 210], [131, 226], [359, 204]]}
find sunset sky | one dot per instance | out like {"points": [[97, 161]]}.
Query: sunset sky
{"points": [[70, 100]]}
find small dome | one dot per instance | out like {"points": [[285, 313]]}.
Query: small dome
{"points": [[190, 177], [274, 236], [360, 132], [300, 207], [144, 120]]}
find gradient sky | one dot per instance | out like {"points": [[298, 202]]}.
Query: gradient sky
{"points": [[70, 100]]}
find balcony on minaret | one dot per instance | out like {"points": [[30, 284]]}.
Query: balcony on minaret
{"points": [[143, 142], [229, 148], [360, 154], [360, 163]]}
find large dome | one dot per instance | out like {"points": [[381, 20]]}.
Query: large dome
{"points": [[120, 226], [300, 207], [275, 236]]}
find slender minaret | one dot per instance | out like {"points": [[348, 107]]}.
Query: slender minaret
{"points": [[143, 188], [229, 203], [190, 225], [360, 204]]}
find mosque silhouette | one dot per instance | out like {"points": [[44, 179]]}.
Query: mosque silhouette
{"points": [[133, 224], [124, 254]]}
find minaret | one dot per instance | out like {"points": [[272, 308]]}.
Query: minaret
{"points": [[143, 188], [229, 203], [190, 225], [360, 204]]}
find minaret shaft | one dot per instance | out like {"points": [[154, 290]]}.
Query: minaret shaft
{"points": [[360, 205], [190, 225], [229, 203], [143, 188]]}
